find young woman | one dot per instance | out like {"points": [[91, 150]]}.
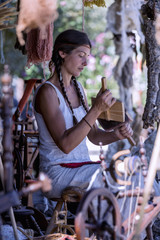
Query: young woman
{"points": [[65, 120]]}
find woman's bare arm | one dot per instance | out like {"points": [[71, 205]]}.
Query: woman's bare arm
{"points": [[97, 135], [47, 105]]}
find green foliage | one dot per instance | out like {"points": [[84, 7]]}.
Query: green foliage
{"points": [[33, 72]]}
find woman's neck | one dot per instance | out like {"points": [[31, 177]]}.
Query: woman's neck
{"points": [[67, 80], [68, 83]]}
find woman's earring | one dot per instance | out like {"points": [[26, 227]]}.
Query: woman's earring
{"points": [[51, 67], [60, 77]]}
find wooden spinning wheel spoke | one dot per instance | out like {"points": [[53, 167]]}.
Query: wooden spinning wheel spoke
{"points": [[99, 207], [108, 209], [91, 213], [90, 226]]}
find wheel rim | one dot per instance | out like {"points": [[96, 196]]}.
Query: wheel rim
{"points": [[95, 218]]}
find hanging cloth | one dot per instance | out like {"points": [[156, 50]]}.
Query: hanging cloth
{"points": [[98, 3]]}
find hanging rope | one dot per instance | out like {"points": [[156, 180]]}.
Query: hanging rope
{"points": [[2, 54], [83, 18]]}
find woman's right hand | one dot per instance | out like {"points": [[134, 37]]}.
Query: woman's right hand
{"points": [[104, 101]]}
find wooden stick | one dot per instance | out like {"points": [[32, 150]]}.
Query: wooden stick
{"points": [[131, 141], [104, 84], [104, 87], [150, 179]]}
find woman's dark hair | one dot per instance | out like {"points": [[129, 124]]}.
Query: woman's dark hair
{"points": [[67, 41]]}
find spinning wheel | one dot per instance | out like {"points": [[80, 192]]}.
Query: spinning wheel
{"points": [[99, 215]]}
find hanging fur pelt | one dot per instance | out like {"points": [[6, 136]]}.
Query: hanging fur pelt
{"points": [[35, 14], [123, 18]]}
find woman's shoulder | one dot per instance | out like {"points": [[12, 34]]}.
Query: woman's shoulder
{"points": [[46, 87], [46, 94], [45, 90]]}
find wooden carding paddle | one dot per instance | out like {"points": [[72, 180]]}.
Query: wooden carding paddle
{"points": [[114, 113], [114, 116]]}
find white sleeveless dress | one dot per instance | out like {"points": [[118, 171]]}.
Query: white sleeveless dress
{"points": [[48, 148], [51, 156]]}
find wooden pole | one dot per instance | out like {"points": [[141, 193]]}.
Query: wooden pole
{"points": [[149, 181]]}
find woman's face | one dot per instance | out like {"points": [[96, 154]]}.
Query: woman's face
{"points": [[75, 62]]}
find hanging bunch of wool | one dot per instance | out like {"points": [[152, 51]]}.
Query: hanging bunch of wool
{"points": [[35, 14], [157, 27], [90, 3], [38, 49]]}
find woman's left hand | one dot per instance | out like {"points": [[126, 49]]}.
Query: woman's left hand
{"points": [[123, 131]]}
